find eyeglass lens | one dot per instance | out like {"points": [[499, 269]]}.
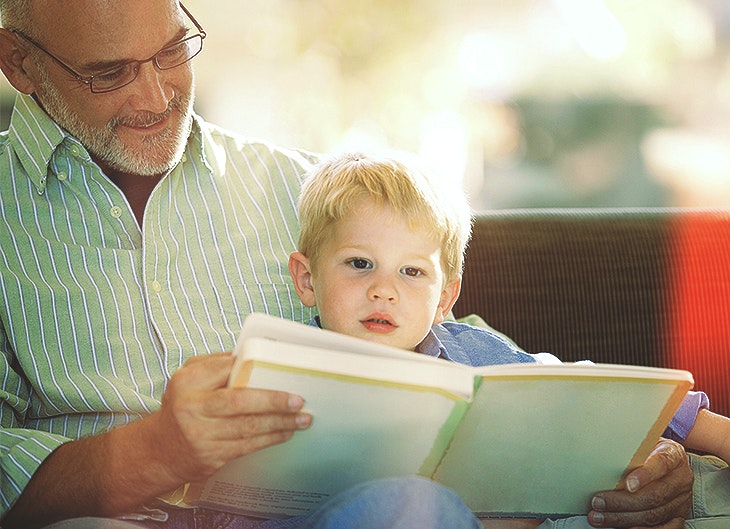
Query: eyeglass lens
{"points": [[166, 59]]}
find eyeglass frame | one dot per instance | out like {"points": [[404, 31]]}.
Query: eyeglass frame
{"points": [[88, 80]]}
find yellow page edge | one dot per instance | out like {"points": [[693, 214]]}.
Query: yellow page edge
{"points": [[357, 380], [655, 432]]}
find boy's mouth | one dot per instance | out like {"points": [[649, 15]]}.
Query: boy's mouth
{"points": [[379, 323]]}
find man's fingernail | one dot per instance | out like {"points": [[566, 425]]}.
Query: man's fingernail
{"points": [[632, 484], [304, 420], [598, 504], [295, 402], [598, 518]]}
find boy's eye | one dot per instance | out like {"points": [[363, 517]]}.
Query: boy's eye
{"points": [[412, 272], [359, 263]]}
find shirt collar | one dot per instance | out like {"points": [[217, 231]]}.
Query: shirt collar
{"points": [[212, 153], [432, 346], [34, 137]]}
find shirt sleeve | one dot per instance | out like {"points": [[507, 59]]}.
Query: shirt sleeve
{"points": [[684, 419], [21, 450]]}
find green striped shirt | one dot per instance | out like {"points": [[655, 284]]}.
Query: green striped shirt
{"points": [[97, 314]]}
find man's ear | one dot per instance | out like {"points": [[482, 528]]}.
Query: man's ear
{"points": [[301, 272], [449, 295], [13, 62]]}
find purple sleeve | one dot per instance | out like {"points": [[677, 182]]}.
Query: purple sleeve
{"points": [[684, 419]]}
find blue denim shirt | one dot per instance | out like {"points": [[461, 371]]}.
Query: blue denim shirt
{"points": [[473, 346]]}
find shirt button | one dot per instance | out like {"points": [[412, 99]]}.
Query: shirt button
{"points": [[116, 211], [62, 176], [184, 158], [156, 286], [75, 150]]}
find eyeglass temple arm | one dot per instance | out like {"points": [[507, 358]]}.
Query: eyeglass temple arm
{"points": [[200, 29]]}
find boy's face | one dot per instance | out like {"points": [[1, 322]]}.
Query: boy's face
{"points": [[377, 279]]}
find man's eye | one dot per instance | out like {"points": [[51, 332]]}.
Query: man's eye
{"points": [[412, 272], [359, 263], [174, 53], [114, 75]]}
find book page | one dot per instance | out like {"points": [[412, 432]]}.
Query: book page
{"points": [[538, 446], [364, 427]]}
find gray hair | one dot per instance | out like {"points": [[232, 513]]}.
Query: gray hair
{"points": [[15, 14]]}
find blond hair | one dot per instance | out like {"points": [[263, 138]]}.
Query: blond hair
{"points": [[336, 185]]}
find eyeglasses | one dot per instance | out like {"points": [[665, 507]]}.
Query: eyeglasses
{"points": [[167, 58]]}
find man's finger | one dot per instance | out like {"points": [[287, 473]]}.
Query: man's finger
{"points": [[206, 371], [249, 426], [231, 402], [643, 518], [666, 456], [659, 491]]}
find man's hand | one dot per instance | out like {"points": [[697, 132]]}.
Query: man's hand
{"points": [[202, 423], [657, 494]]}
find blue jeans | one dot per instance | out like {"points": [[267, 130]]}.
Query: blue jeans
{"points": [[396, 503]]}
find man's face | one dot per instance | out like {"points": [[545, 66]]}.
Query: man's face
{"points": [[140, 128]]}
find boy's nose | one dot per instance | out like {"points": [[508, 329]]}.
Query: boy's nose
{"points": [[382, 290]]}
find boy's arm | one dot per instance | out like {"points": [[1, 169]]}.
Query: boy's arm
{"points": [[711, 434]]}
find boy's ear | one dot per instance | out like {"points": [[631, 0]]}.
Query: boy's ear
{"points": [[449, 295], [301, 273], [13, 62]]}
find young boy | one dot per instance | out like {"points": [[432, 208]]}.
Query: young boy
{"points": [[381, 252]]}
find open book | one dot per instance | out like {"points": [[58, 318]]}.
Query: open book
{"points": [[518, 440]]}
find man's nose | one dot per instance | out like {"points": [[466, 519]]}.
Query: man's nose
{"points": [[150, 92]]}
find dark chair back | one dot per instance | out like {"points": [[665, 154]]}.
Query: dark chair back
{"points": [[629, 286]]}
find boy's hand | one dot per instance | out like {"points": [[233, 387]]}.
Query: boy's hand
{"points": [[658, 494]]}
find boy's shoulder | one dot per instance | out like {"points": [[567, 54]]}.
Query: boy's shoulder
{"points": [[476, 323], [478, 345]]}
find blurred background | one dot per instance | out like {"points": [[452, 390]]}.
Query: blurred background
{"points": [[526, 103]]}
